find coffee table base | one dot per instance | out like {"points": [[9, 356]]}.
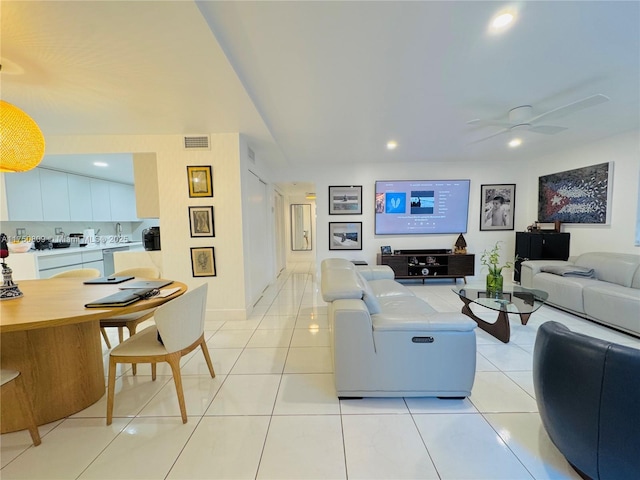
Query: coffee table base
{"points": [[500, 329]]}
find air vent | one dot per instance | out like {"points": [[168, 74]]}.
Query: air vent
{"points": [[252, 155], [196, 142]]}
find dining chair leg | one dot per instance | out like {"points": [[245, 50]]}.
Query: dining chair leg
{"points": [[205, 352], [111, 388], [27, 411], [132, 331], [105, 337], [174, 362], [120, 334], [153, 371]]}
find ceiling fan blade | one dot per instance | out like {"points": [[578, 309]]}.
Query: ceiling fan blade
{"points": [[506, 130], [546, 129], [488, 123], [571, 107]]}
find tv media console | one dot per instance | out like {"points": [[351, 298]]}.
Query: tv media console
{"points": [[424, 264]]}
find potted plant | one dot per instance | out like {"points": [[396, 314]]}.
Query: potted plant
{"points": [[495, 280]]}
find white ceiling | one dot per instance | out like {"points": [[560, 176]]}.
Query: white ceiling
{"points": [[324, 82]]}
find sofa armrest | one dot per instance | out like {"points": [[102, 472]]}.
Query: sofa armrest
{"points": [[423, 322], [530, 268]]}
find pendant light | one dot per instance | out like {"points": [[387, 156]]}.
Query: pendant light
{"points": [[21, 140]]}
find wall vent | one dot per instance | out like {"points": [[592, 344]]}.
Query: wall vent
{"points": [[252, 155], [196, 142]]}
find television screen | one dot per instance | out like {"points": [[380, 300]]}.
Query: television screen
{"points": [[421, 206]]}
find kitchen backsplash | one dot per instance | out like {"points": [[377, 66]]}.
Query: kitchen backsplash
{"points": [[133, 230]]}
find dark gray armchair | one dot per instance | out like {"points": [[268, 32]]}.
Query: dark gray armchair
{"points": [[588, 395]]}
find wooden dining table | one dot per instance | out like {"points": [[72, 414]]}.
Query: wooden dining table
{"points": [[54, 341]]}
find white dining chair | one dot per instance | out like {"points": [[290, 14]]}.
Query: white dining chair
{"points": [[179, 329], [11, 379], [130, 320], [78, 273]]}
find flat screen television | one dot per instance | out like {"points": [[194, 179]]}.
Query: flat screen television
{"points": [[416, 207]]}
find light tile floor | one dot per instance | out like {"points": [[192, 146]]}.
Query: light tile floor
{"points": [[272, 412]]}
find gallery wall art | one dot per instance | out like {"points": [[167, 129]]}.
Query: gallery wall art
{"points": [[576, 196]]}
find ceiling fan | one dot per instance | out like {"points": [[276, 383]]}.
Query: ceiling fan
{"points": [[522, 118]]}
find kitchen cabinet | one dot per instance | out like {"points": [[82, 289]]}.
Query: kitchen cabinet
{"points": [[80, 208], [55, 195], [100, 202], [54, 264], [24, 196], [122, 200]]}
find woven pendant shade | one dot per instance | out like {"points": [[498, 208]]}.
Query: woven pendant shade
{"points": [[21, 141]]}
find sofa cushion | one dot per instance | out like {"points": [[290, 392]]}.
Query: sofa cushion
{"points": [[423, 322], [340, 283], [614, 305], [618, 268], [390, 288], [563, 291], [368, 296], [398, 305]]}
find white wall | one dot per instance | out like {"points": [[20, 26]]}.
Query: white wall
{"points": [[618, 237], [624, 152], [227, 289]]}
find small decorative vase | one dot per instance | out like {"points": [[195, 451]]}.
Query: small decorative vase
{"points": [[494, 285]]}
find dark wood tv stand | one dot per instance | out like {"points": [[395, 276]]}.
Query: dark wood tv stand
{"points": [[425, 264]]}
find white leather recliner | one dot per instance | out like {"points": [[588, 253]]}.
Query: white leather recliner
{"points": [[387, 342]]}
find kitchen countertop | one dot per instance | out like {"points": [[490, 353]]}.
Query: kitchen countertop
{"points": [[76, 249]]}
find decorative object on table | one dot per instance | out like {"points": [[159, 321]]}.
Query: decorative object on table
{"points": [[9, 289], [21, 140], [495, 280], [203, 262], [201, 221], [498, 206], [582, 195], [345, 200], [345, 235], [385, 250], [460, 247], [200, 181]]}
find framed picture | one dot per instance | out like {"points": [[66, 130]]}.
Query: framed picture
{"points": [[200, 181], [203, 262], [385, 250], [582, 195], [498, 205], [345, 235], [201, 222], [345, 200]]}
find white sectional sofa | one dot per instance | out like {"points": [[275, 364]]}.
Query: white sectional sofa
{"points": [[387, 342], [600, 286]]}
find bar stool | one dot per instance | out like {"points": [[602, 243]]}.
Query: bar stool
{"points": [[12, 379]]}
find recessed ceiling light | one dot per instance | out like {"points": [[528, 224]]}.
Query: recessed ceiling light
{"points": [[101, 164], [502, 20], [516, 142], [391, 144]]}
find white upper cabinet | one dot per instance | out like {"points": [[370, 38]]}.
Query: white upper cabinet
{"points": [[24, 196], [80, 208], [55, 195], [100, 202]]}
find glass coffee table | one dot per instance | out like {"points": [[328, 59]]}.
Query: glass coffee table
{"points": [[514, 299]]}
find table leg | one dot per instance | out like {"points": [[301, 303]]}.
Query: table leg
{"points": [[524, 318], [62, 371], [500, 329]]}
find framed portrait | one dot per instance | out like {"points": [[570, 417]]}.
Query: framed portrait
{"points": [[345, 200], [385, 250], [498, 206], [345, 235], [201, 222], [582, 195], [200, 181], [203, 262]]}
